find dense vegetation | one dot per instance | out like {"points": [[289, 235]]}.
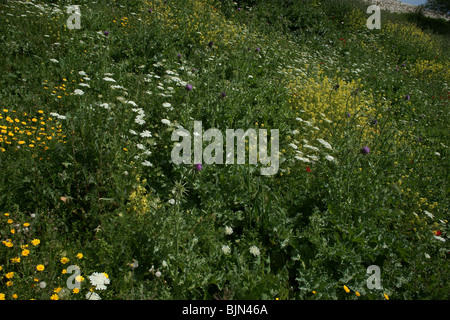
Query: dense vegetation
{"points": [[86, 178]]}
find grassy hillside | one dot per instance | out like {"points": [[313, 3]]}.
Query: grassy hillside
{"points": [[86, 178]]}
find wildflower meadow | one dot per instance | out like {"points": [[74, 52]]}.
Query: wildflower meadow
{"points": [[222, 150]]}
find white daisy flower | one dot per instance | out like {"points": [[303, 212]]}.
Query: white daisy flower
{"points": [[313, 158], [310, 147], [99, 280], [78, 92], [84, 85], [139, 120], [147, 163], [54, 60], [167, 105], [82, 73], [228, 230], [146, 134], [109, 79], [226, 249], [325, 144], [428, 214], [165, 121], [254, 251], [302, 159]]}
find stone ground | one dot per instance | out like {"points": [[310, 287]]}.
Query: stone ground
{"points": [[398, 6]]}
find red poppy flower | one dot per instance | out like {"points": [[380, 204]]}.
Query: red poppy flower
{"points": [[308, 169], [437, 233]]}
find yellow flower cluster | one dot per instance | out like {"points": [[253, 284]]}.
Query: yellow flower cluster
{"points": [[26, 131], [357, 19], [413, 35], [16, 256], [140, 201], [22, 250], [58, 90], [426, 70], [124, 23], [202, 22], [326, 103], [347, 290]]}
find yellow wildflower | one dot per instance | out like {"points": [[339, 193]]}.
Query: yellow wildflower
{"points": [[54, 297]]}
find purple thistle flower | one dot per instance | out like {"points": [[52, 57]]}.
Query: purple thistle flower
{"points": [[106, 33], [348, 115], [189, 87], [150, 10], [198, 167], [407, 97], [258, 49], [210, 44], [374, 121], [223, 94], [365, 150], [179, 56]]}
